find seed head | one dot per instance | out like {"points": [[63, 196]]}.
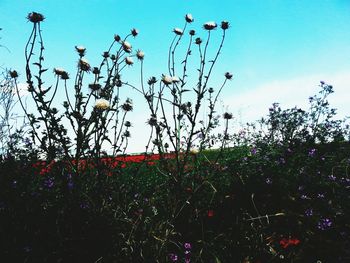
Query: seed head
{"points": [[134, 32], [140, 54], [225, 25], [198, 41], [228, 75], [127, 46], [127, 124], [178, 31], [84, 65], [129, 61], [35, 17], [152, 80], [13, 74], [227, 116], [210, 25], [81, 50], [167, 80], [127, 106], [189, 18], [102, 104], [116, 38], [58, 71], [192, 32], [94, 86]]}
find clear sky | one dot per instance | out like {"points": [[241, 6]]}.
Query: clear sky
{"points": [[277, 50]]}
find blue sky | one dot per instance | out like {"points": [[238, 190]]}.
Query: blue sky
{"points": [[277, 50]]}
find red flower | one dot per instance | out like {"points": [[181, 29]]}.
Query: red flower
{"points": [[210, 213], [285, 242]]}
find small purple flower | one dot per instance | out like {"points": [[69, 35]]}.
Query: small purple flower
{"points": [[289, 150], [84, 206], [281, 161], [49, 183], [70, 185], [332, 177], [268, 180], [320, 195], [324, 223], [301, 188], [309, 212], [14, 184], [312, 152], [188, 246], [304, 197], [322, 82], [187, 260], [253, 151], [173, 257]]}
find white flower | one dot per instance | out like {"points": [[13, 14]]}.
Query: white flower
{"points": [[167, 79], [140, 54], [175, 79], [102, 104], [178, 31], [210, 25], [126, 45], [129, 61], [189, 18]]}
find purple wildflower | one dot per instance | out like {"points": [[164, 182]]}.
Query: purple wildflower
{"points": [[188, 246], [304, 197], [312, 152], [268, 180], [324, 223], [309, 212], [173, 257], [84, 205], [332, 177], [253, 151], [320, 195], [70, 185], [49, 183]]}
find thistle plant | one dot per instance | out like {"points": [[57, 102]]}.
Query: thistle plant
{"points": [[95, 110], [176, 104]]}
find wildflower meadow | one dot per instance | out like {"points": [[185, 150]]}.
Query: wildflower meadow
{"points": [[276, 190]]}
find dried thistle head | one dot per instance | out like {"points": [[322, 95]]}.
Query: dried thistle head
{"points": [[189, 18], [192, 32], [94, 86], [102, 104], [134, 32], [167, 80], [117, 37], [227, 116], [140, 54], [152, 80], [228, 75], [127, 124], [35, 17], [96, 70], [210, 25], [225, 25], [81, 50], [84, 65], [129, 61], [128, 105], [127, 46], [178, 31], [198, 41], [13, 74]]}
